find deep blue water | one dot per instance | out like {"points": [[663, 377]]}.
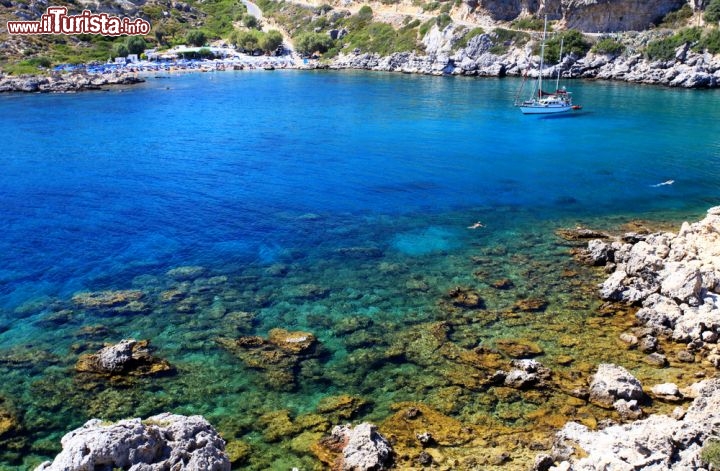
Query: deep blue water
{"points": [[330, 202], [212, 168]]}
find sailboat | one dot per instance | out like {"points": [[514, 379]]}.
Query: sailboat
{"points": [[542, 102]]}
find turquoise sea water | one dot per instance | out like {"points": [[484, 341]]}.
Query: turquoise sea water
{"points": [[312, 200]]}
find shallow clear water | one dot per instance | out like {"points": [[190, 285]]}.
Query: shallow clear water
{"points": [[319, 197]]}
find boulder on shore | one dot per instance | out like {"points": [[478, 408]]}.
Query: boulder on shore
{"points": [[612, 383], [161, 442], [360, 448], [658, 442]]}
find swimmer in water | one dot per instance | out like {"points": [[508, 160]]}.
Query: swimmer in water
{"points": [[476, 225]]}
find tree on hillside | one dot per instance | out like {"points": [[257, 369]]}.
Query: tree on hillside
{"points": [[136, 45], [271, 41], [246, 41], [196, 38], [308, 43], [250, 21], [121, 50]]}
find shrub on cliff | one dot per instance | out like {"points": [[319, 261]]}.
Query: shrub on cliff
{"points": [[531, 23], [608, 46], [664, 49], [462, 42], [710, 454], [712, 12], [573, 42]]}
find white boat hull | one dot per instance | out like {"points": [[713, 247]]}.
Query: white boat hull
{"points": [[545, 109]]}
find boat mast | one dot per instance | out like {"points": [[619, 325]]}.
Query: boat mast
{"points": [[542, 59], [557, 83]]}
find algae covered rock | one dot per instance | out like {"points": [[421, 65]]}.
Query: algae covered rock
{"points": [[279, 357], [122, 301], [128, 357], [162, 442], [9, 423], [186, 273], [466, 298]]}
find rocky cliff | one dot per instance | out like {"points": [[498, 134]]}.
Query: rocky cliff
{"points": [[584, 15]]}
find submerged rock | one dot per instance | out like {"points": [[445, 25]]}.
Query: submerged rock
{"points": [[466, 298], [120, 301], [161, 442], [186, 273], [279, 357], [128, 357]]}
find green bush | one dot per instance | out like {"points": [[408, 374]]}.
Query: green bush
{"points": [[309, 43], [121, 50], [196, 38], [608, 46], [250, 21], [573, 42], [270, 41], [205, 53], [136, 45], [246, 41], [664, 49], [504, 38], [712, 12], [710, 41], [365, 13], [532, 23], [443, 20], [710, 453], [677, 17]]}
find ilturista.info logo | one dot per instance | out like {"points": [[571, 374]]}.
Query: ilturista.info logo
{"points": [[57, 21]]}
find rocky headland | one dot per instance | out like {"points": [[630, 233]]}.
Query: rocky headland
{"points": [[65, 83]]}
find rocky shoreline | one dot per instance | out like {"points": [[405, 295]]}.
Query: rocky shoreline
{"points": [[65, 83], [688, 69], [674, 280]]}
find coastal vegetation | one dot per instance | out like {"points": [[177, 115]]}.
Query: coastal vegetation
{"points": [[710, 454], [531, 23], [608, 46], [572, 42], [696, 38], [471, 33]]}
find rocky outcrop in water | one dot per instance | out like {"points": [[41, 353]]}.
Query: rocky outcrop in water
{"points": [[64, 83], [674, 277], [658, 442], [279, 356], [161, 442], [359, 448], [129, 357]]}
